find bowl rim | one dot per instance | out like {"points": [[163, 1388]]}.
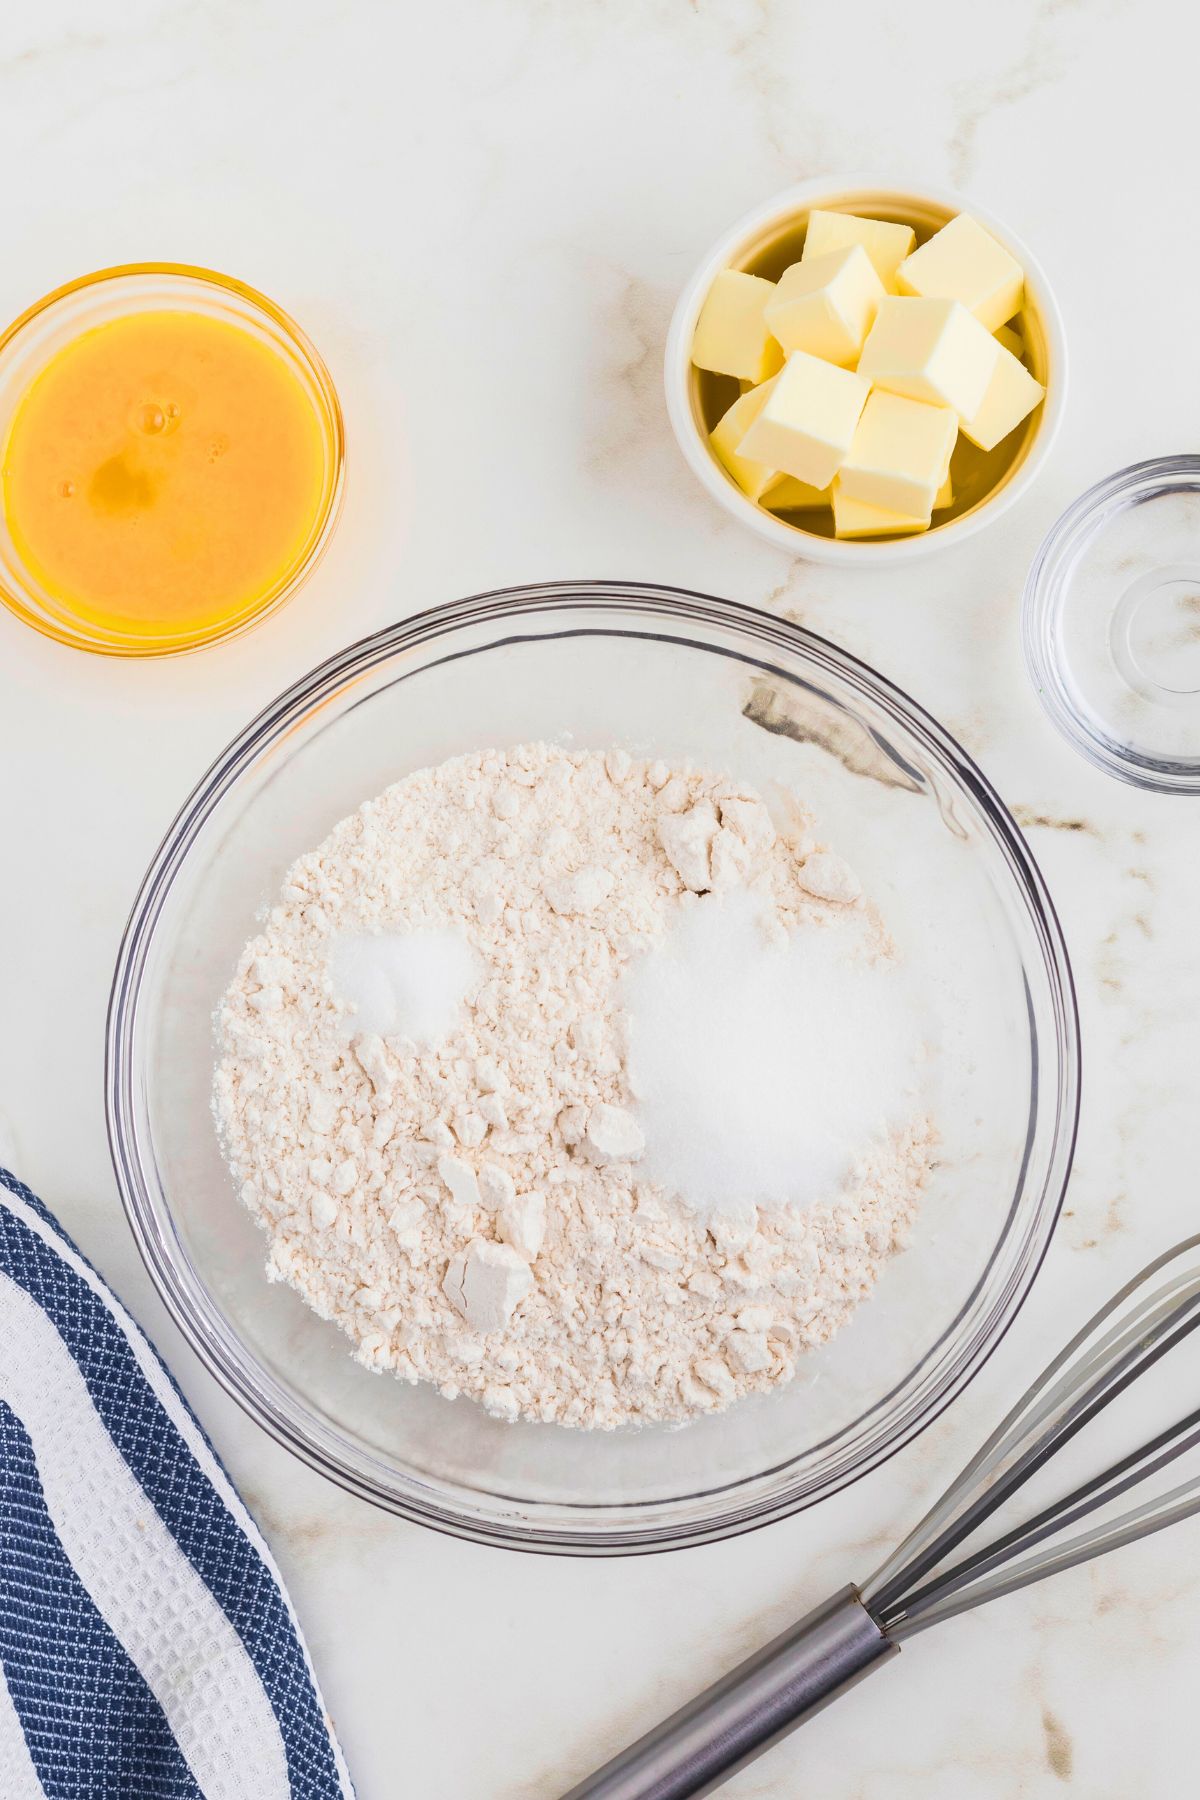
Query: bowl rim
{"points": [[220, 1348], [24, 606], [854, 552]]}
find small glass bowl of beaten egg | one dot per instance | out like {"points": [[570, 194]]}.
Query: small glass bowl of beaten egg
{"points": [[172, 462], [847, 422]]}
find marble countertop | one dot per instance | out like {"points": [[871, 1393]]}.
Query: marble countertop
{"points": [[482, 212]]}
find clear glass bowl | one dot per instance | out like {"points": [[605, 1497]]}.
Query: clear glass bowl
{"points": [[678, 675], [44, 328], [1110, 624]]}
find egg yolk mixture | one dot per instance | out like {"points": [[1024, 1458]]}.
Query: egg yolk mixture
{"points": [[163, 473]]}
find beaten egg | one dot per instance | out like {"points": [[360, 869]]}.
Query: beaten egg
{"points": [[165, 476]]}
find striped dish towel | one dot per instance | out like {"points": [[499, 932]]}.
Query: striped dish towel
{"points": [[148, 1650]]}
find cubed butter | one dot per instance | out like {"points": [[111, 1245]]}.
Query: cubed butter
{"points": [[886, 244], [826, 305], [731, 336], [751, 477], [900, 455], [808, 423], [786, 494], [945, 496], [854, 519], [1011, 396], [950, 449], [964, 262], [931, 350], [1011, 340]]}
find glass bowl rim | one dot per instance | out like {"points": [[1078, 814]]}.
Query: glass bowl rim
{"points": [[1041, 608], [24, 606], [423, 1504]]}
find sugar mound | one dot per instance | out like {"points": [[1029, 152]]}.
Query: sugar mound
{"points": [[763, 1069], [404, 984]]}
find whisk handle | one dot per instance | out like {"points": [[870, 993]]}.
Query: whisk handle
{"points": [[748, 1710]]}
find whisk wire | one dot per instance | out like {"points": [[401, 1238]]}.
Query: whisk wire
{"points": [[1143, 1522], [1092, 1371], [1079, 1504], [1138, 1465]]}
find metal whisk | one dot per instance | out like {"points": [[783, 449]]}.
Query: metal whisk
{"points": [[756, 1704]]}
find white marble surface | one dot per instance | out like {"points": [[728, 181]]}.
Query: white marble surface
{"points": [[482, 211]]}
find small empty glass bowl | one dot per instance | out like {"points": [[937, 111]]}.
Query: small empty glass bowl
{"points": [[678, 675], [1111, 624]]}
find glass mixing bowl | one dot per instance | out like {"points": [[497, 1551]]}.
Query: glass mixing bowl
{"points": [[666, 673]]}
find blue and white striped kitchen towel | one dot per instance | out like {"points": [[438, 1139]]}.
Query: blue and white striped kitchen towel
{"points": [[148, 1650]]}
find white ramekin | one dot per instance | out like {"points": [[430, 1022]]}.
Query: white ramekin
{"points": [[872, 196]]}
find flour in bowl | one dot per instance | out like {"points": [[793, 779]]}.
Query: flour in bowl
{"points": [[575, 1083]]}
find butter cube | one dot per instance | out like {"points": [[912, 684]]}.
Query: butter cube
{"points": [[931, 350], [807, 425], [1011, 396], [854, 519], [886, 244], [727, 434], [945, 495], [786, 494], [964, 262], [950, 449], [1011, 340], [826, 305], [731, 333], [900, 455]]}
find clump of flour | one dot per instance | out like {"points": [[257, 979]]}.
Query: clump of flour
{"points": [[438, 1129]]}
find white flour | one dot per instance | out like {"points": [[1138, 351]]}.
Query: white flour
{"points": [[474, 1207]]}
